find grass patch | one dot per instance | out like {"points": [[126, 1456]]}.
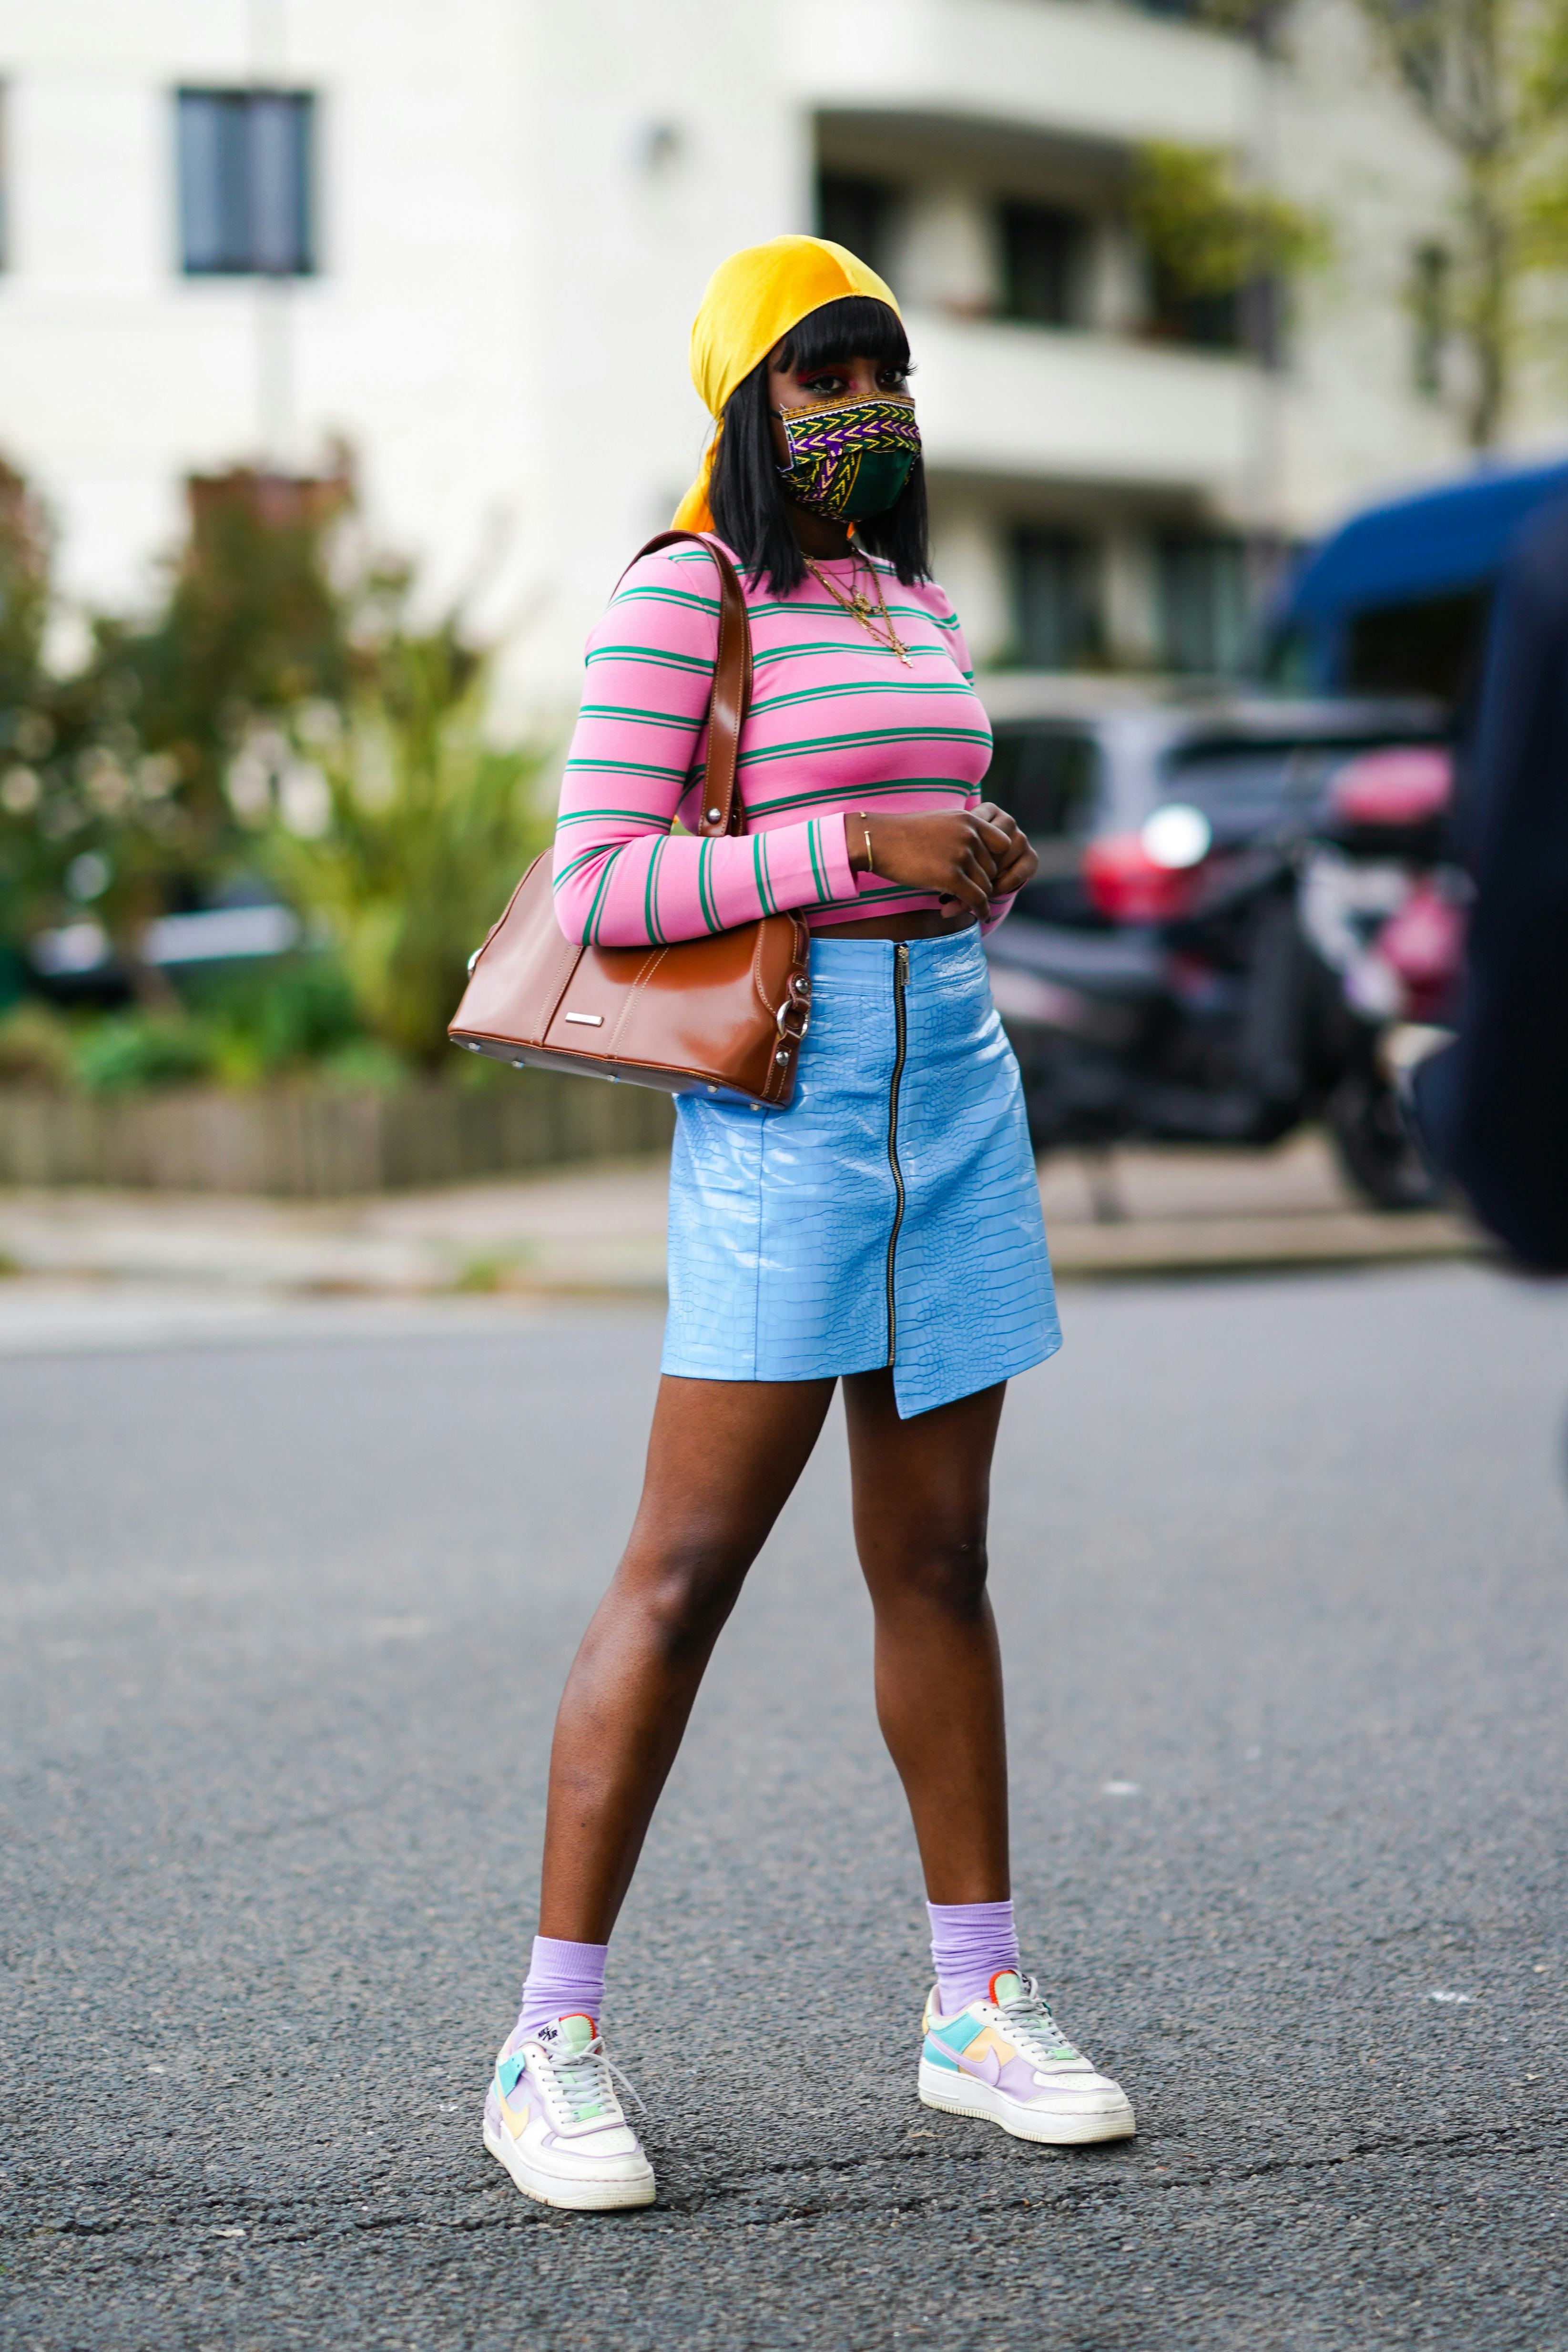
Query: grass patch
{"points": [[492, 1271]]}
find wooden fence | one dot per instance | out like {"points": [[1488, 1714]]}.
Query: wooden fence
{"points": [[309, 1142]]}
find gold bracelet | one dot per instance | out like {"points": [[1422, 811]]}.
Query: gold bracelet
{"points": [[866, 829]]}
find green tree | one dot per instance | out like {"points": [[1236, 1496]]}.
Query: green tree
{"points": [[422, 828], [59, 736], [252, 625], [24, 589], [1213, 241], [113, 778], [1489, 78], [279, 713]]}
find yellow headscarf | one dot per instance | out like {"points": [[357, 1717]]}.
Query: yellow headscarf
{"points": [[753, 301]]}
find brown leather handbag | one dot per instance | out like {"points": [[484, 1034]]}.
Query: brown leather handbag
{"points": [[722, 1015]]}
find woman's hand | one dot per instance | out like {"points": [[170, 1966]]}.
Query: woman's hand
{"points": [[970, 855], [955, 853], [1019, 864]]}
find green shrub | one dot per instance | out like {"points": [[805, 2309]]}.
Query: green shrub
{"points": [[144, 1049], [277, 1017], [423, 829], [36, 1047], [364, 1063]]}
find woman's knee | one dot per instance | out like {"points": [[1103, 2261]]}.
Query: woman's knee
{"points": [[684, 1590], [935, 1568]]}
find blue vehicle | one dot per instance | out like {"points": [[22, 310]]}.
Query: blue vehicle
{"points": [[1396, 600]]}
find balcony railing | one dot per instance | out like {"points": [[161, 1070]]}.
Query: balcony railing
{"points": [[1012, 402], [1061, 67]]}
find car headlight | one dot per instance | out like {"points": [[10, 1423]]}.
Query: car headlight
{"points": [[1177, 835]]}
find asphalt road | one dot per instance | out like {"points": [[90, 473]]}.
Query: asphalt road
{"points": [[1281, 1569]]}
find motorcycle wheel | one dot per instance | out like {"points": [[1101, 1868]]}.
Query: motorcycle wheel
{"points": [[1378, 1147]]}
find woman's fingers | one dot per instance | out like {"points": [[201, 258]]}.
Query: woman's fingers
{"points": [[1017, 860], [1020, 862], [993, 843], [999, 824], [973, 884], [988, 847]]}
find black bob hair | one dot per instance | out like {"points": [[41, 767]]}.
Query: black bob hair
{"points": [[751, 513]]}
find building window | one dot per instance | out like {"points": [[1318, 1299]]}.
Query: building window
{"points": [[1252, 318], [1211, 321], [1057, 612], [1043, 255], [1243, 19], [1201, 602], [246, 184], [1430, 276], [857, 214]]}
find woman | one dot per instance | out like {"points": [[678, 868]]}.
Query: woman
{"points": [[883, 1231]]}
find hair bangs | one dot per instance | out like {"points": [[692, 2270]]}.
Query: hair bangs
{"points": [[856, 327], [749, 511]]}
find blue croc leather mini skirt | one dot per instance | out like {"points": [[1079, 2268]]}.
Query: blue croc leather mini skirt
{"points": [[891, 1215]]}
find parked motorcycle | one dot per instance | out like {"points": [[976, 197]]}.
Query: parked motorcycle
{"points": [[1384, 912], [1218, 981]]}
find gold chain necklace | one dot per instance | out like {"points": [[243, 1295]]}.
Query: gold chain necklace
{"points": [[858, 607]]}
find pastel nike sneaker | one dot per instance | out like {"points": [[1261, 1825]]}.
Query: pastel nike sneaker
{"points": [[1006, 2058], [553, 2118]]}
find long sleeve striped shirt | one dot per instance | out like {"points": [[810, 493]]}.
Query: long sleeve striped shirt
{"points": [[837, 723]]}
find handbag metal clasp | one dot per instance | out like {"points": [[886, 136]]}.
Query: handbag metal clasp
{"points": [[798, 1001]]}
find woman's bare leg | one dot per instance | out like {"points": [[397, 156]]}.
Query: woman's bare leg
{"points": [[922, 1492], [722, 1460]]}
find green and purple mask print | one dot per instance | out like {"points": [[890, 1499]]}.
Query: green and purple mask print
{"points": [[851, 457]]}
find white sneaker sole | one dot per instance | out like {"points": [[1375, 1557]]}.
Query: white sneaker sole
{"points": [[576, 2196], [964, 2094]]}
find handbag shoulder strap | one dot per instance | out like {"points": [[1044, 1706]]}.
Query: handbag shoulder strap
{"points": [[731, 695]]}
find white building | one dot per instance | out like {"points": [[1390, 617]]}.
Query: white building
{"points": [[469, 240]]}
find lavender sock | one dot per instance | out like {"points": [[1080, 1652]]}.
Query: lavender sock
{"points": [[562, 1980], [970, 1944]]}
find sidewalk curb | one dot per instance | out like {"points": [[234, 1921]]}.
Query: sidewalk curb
{"points": [[1258, 1244], [1135, 1251]]}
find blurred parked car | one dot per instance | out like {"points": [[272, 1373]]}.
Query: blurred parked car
{"points": [[77, 961], [1236, 900]]}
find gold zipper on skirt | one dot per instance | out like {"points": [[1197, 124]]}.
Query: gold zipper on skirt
{"points": [[901, 981]]}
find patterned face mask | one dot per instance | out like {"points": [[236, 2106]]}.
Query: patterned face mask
{"points": [[849, 457]]}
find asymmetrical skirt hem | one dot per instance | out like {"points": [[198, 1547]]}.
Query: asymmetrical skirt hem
{"points": [[899, 1187], [911, 1403]]}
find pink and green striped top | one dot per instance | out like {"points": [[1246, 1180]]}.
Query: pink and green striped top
{"points": [[836, 723]]}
